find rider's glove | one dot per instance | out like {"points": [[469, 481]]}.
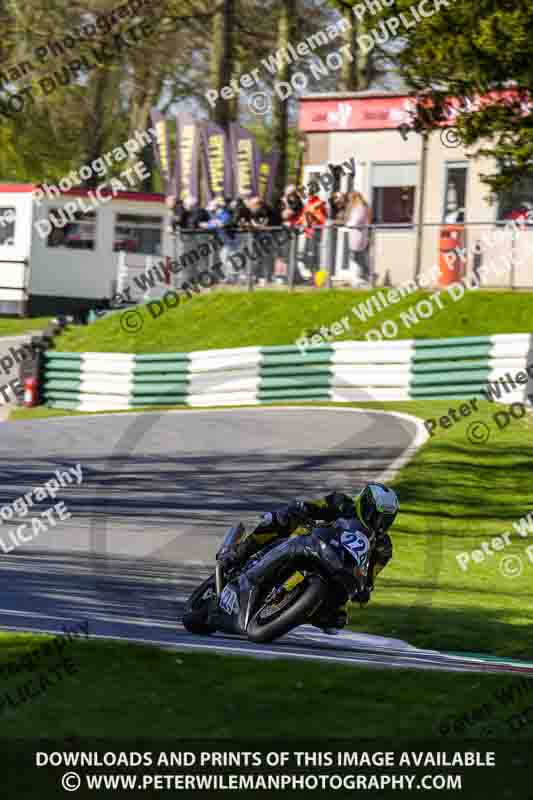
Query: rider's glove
{"points": [[298, 509], [227, 558]]}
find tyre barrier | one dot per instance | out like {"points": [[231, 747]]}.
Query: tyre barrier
{"points": [[500, 365]]}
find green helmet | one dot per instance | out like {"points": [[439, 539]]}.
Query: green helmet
{"points": [[377, 507]]}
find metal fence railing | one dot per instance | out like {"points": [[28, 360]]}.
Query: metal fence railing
{"points": [[486, 254]]}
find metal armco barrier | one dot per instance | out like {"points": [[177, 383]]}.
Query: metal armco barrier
{"points": [[341, 372]]}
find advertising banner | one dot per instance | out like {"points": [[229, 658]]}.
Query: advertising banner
{"points": [[162, 148], [245, 161], [188, 144], [216, 152]]}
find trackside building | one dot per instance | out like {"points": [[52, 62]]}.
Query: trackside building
{"points": [[46, 268], [394, 172]]}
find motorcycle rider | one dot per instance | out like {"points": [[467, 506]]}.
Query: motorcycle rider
{"points": [[372, 512]]}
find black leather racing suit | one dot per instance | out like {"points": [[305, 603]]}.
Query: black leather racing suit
{"points": [[285, 522]]}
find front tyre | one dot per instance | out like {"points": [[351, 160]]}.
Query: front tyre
{"points": [[196, 615], [275, 619]]}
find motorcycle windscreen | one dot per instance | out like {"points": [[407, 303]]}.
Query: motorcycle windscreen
{"points": [[232, 538]]}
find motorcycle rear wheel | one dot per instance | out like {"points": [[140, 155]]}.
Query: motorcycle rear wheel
{"points": [[267, 625], [196, 614]]}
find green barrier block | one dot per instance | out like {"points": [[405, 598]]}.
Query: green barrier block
{"points": [[70, 385], [52, 396], [145, 358], [289, 372], [322, 382], [53, 355], [451, 379], [294, 360], [437, 353], [291, 348], [140, 389], [454, 341], [442, 366], [293, 394], [445, 392], [159, 368], [51, 374]]}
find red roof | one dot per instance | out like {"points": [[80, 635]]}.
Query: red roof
{"points": [[140, 197]]}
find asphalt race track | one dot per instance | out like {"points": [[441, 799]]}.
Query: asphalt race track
{"points": [[158, 493]]}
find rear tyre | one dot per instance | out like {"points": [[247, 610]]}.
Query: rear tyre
{"points": [[270, 623], [196, 615]]}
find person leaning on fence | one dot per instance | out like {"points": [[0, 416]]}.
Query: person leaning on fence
{"points": [[242, 216], [357, 218], [221, 217], [314, 218], [292, 207], [315, 212], [186, 214], [337, 208], [263, 215]]}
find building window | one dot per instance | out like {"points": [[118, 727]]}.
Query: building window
{"points": [[454, 208], [138, 234], [76, 231], [517, 203], [7, 226], [393, 193]]}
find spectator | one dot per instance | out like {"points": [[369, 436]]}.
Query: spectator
{"points": [[291, 207], [220, 216], [196, 215], [337, 205], [315, 212], [186, 215], [263, 216], [358, 218], [241, 214]]}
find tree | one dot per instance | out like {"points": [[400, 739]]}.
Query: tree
{"points": [[471, 50], [366, 67]]}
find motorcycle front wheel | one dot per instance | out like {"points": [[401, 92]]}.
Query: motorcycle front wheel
{"points": [[274, 619], [196, 614]]}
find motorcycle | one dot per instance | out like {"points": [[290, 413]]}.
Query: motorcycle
{"points": [[286, 584]]}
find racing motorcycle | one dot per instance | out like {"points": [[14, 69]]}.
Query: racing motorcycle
{"points": [[286, 584]]}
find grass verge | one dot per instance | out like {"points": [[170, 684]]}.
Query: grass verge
{"points": [[264, 317], [109, 692], [15, 326]]}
